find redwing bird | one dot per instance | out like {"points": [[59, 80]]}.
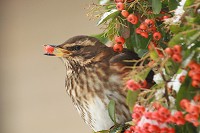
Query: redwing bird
{"points": [[94, 76]]}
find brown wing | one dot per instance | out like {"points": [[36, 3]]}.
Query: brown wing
{"points": [[120, 63]]}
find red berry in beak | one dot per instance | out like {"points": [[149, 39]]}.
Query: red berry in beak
{"points": [[48, 49]]}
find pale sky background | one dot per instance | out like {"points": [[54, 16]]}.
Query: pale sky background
{"points": [[32, 93]]}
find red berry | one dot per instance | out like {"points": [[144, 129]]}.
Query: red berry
{"points": [[132, 85], [191, 73], [148, 115], [117, 47], [149, 22], [197, 98], [178, 115], [191, 118], [160, 53], [143, 26], [157, 36], [146, 126], [143, 84], [171, 130], [152, 29], [155, 115], [119, 40], [177, 49], [194, 110], [139, 109], [164, 112], [177, 58], [120, 6], [194, 66], [169, 51], [180, 122], [138, 31], [185, 104], [154, 129], [196, 77], [132, 128], [196, 123], [132, 19], [125, 13], [127, 131], [49, 49], [171, 119], [196, 83], [166, 17], [136, 116], [138, 129], [144, 34], [164, 130], [182, 78]]}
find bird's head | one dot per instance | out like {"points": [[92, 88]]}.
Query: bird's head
{"points": [[79, 49]]}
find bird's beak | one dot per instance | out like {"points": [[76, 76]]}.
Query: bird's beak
{"points": [[53, 50]]}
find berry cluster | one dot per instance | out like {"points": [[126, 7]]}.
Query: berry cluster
{"points": [[156, 121], [132, 85], [148, 27], [118, 47], [192, 108], [175, 53], [130, 17], [194, 73]]}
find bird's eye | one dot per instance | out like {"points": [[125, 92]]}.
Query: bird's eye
{"points": [[74, 48]]}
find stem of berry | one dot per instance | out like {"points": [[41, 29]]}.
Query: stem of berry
{"points": [[166, 95]]}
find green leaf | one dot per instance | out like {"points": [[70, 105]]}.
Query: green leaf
{"points": [[186, 128], [185, 91], [111, 111], [144, 73], [136, 42], [175, 28], [188, 3], [117, 129], [108, 15], [172, 4], [156, 6], [154, 55], [131, 98], [187, 37], [171, 67]]}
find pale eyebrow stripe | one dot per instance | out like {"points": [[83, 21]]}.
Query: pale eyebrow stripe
{"points": [[86, 43]]}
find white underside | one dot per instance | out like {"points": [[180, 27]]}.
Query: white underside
{"points": [[102, 120]]}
